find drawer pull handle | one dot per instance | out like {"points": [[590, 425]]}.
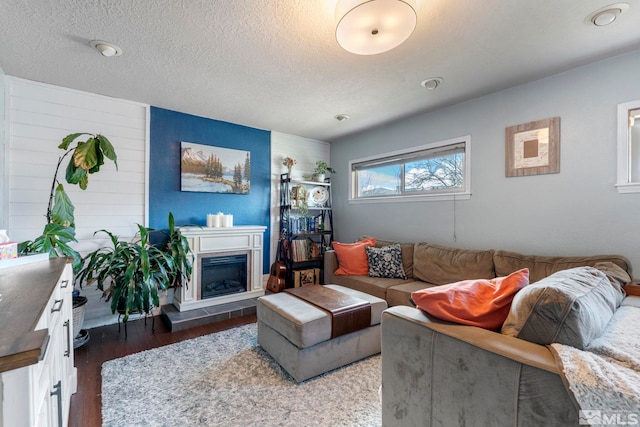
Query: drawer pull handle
{"points": [[57, 305], [64, 284], [67, 352], [57, 391]]}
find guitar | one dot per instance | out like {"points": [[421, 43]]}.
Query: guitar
{"points": [[277, 276]]}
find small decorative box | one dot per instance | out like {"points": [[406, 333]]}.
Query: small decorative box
{"points": [[8, 250]]}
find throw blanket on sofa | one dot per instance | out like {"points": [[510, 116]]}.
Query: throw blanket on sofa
{"points": [[606, 375]]}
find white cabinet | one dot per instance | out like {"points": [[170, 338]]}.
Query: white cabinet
{"points": [[39, 394]]}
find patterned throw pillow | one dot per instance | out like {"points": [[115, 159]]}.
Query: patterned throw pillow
{"points": [[386, 262]]}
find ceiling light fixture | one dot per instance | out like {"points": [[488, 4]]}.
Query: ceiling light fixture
{"points": [[369, 27], [431, 83], [607, 14], [105, 48]]}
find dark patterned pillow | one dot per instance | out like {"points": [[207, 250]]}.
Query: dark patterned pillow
{"points": [[385, 262]]}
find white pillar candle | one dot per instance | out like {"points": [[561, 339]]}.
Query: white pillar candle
{"points": [[219, 221], [228, 221], [210, 220]]}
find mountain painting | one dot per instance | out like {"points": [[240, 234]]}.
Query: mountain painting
{"points": [[205, 168]]}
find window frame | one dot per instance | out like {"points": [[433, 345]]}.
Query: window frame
{"points": [[436, 195], [624, 183]]}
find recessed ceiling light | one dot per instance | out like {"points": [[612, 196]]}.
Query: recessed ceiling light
{"points": [[431, 83], [342, 117], [105, 48], [606, 15]]}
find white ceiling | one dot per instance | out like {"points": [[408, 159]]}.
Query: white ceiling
{"points": [[275, 64]]}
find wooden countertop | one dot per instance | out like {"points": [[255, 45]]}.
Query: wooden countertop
{"points": [[24, 292]]}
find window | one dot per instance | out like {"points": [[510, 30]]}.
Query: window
{"points": [[629, 147], [437, 171]]}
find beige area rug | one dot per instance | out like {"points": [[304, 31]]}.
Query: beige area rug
{"points": [[226, 379]]}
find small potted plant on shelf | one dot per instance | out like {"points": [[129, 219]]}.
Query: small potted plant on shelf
{"points": [[288, 162], [321, 169]]}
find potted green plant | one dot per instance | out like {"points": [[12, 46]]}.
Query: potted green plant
{"points": [[321, 169], [130, 273], [86, 158]]}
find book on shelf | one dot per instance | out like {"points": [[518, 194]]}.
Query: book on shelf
{"points": [[299, 250]]}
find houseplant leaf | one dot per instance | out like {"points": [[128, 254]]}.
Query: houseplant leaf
{"points": [[74, 174], [85, 156], [67, 140], [62, 210], [107, 149], [100, 162]]}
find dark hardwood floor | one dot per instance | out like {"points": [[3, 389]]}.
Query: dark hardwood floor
{"points": [[106, 343]]}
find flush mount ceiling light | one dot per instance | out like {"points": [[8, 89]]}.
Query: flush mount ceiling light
{"points": [[607, 14], [369, 27], [431, 83], [105, 48]]}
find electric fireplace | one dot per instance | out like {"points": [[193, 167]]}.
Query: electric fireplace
{"points": [[222, 275], [227, 266]]}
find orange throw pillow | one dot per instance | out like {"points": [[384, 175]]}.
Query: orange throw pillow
{"points": [[483, 303], [352, 257]]}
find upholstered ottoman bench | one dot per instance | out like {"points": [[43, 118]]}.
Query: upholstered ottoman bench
{"points": [[301, 336]]}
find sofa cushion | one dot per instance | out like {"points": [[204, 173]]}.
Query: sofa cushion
{"points": [[401, 294], [570, 307], [543, 266], [617, 276], [482, 302], [385, 262], [441, 265], [352, 257], [376, 286], [407, 253]]}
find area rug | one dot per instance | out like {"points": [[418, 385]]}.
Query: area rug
{"points": [[226, 379]]}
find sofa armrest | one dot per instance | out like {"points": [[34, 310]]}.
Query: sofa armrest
{"points": [[513, 348], [440, 374], [330, 265]]}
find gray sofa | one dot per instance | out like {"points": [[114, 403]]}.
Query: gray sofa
{"points": [[436, 373]]}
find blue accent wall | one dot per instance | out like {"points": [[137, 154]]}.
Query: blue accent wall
{"points": [[167, 130]]}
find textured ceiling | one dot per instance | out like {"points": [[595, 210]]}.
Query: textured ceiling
{"points": [[275, 64]]}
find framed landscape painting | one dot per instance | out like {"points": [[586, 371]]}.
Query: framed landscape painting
{"points": [[211, 169]]}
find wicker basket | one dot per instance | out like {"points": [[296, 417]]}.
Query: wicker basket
{"points": [[79, 307]]}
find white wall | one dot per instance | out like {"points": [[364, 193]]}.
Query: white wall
{"points": [[306, 152], [577, 211], [39, 116]]}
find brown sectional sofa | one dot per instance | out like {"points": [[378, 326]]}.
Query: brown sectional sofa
{"points": [[437, 373], [428, 265]]}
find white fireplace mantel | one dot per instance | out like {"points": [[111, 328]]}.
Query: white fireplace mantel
{"points": [[220, 240]]}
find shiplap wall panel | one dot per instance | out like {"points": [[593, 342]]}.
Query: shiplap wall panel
{"points": [[306, 152], [38, 117]]}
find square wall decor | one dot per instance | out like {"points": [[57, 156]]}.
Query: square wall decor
{"points": [[533, 148], [211, 169]]}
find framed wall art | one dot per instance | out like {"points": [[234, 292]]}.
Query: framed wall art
{"points": [[533, 148], [211, 169]]}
